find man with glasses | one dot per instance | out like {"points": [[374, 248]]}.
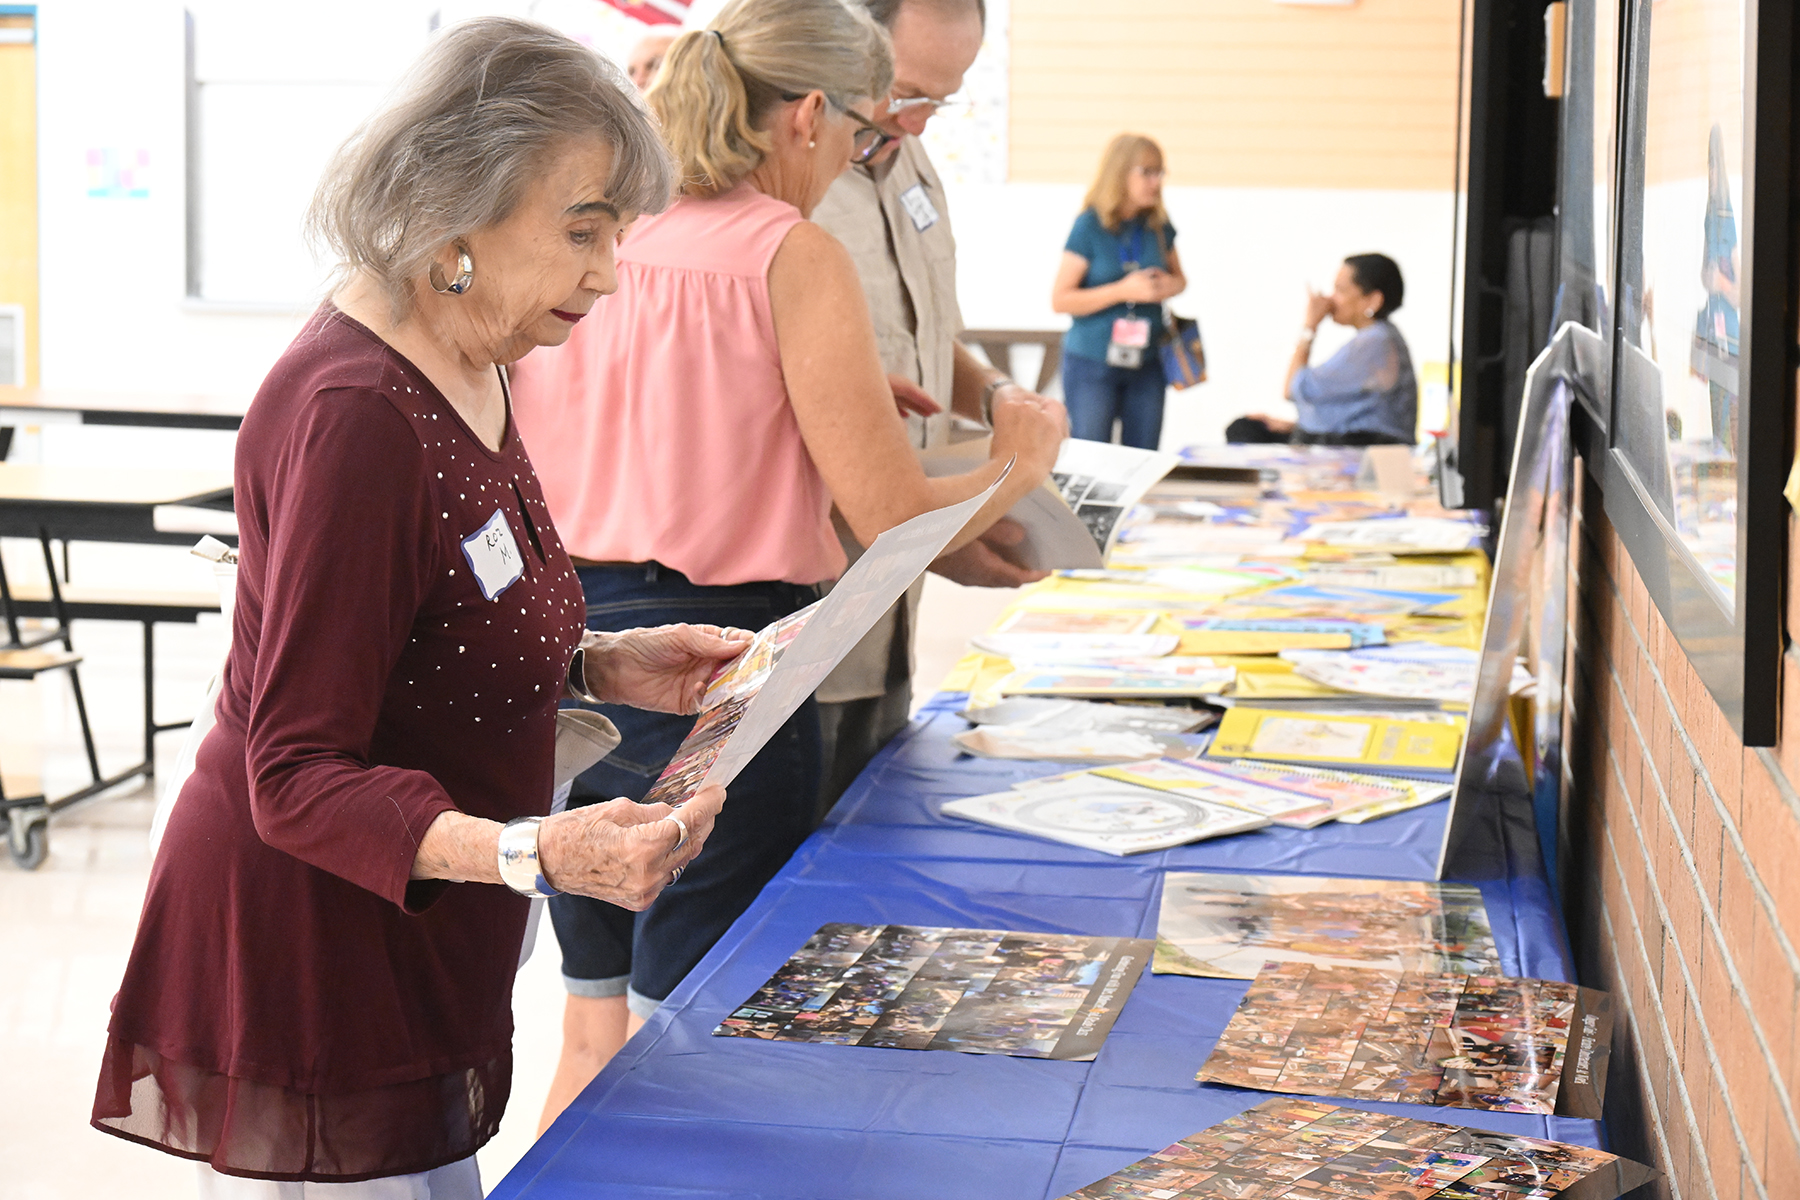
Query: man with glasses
{"points": [[889, 211]]}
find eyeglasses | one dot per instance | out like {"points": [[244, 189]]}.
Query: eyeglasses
{"points": [[1150, 172], [924, 104], [869, 139]]}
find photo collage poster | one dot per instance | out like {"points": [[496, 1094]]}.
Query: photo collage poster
{"points": [[1229, 926], [728, 694], [981, 991], [1461, 1041], [1306, 1150]]}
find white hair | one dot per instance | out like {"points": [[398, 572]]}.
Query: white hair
{"points": [[461, 138]]}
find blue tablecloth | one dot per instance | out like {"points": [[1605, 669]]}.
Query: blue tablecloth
{"points": [[683, 1113]]}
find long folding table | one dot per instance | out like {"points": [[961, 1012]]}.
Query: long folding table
{"points": [[682, 1113]]}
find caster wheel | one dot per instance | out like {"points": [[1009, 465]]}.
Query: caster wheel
{"points": [[28, 841]]}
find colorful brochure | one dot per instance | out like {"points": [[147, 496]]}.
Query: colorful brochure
{"points": [[1229, 926], [1303, 737], [981, 991], [1271, 635], [1200, 780], [753, 696], [1091, 622], [1105, 815], [1397, 577], [1343, 603], [1309, 1150], [1396, 535], [1340, 795], [1463, 1041], [1075, 647], [1028, 742], [1171, 676]]}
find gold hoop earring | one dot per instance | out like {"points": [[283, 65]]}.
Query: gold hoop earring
{"points": [[465, 267]]}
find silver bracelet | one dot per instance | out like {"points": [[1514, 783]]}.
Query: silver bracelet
{"points": [[987, 398], [577, 679], [520, 869], [1307, 333]]}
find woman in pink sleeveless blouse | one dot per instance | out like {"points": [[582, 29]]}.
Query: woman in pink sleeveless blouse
{"points": [[693, 435]]}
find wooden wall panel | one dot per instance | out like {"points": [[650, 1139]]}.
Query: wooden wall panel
{"points": [[1241, 93]]}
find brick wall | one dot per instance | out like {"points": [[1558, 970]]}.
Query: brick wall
{"points": [[1682, 891]]}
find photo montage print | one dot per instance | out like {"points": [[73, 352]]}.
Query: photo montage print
{"points": [[1306, 1150], [982, 991], [1463, 1041]]}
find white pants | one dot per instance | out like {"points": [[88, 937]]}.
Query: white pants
{"points": [[460, 1180]]}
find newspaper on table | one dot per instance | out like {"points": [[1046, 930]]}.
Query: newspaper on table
{"points": [[752, 697], [980, 991], [1073, 519], [1058, 730], [1106, 815], [1306, 1149], [1228, 926]]}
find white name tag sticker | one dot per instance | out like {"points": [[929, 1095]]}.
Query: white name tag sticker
{"points": [[494, 556], [919, 207]]}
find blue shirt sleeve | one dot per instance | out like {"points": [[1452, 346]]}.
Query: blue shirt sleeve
{"points": [[1084, 238], [1367, 386]]}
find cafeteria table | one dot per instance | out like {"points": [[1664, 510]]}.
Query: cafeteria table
{"points": [[90, 504], [163, 410], [682, 1113]]}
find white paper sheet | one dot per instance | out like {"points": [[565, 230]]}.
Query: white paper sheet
{"points": [[866, 591]]}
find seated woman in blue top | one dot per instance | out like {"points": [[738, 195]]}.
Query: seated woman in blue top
{"points": [[1363, 395], [1118, 267]]}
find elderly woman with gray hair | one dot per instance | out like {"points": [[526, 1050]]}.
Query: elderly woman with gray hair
{"points": [[320, 990]]}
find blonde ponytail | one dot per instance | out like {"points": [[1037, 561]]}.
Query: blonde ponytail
{"points": [[718, 84]]}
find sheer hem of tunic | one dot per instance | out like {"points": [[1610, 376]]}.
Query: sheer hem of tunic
{"points": [[261, 1131]]}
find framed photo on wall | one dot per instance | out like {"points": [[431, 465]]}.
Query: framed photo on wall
{"points": [[1702, 380]]}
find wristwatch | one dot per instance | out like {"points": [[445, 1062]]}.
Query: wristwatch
{"points": [[520, 869], [987, 398]]}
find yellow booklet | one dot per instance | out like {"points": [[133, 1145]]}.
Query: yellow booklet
{"points": [[1303, 737]]}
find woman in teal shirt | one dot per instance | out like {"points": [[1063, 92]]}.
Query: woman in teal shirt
{"points": [[1118, 267]]}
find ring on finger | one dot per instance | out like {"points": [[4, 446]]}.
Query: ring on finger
{"points": [[675, 875], [681, 825]]}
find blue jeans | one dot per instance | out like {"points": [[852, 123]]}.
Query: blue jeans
{"points": [[610, 951], [1097, 395]]}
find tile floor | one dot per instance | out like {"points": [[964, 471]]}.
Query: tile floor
{"points": [[66, 928]]}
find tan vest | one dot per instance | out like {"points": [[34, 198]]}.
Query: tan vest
{"points": [[909, 277]]}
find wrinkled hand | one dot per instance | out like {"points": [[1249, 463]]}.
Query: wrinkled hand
{"points": [[621, 852], [1318, 307], [664, 669], [985, 562], [911, 399]]}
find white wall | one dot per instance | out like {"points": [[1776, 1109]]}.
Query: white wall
{"points": [[115, 313], [1248, 254]]}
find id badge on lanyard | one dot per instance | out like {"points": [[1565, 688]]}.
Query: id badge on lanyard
{"points": [[1130, 333]]}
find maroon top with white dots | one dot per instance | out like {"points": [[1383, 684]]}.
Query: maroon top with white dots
{"points": [[295, 1007]]}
